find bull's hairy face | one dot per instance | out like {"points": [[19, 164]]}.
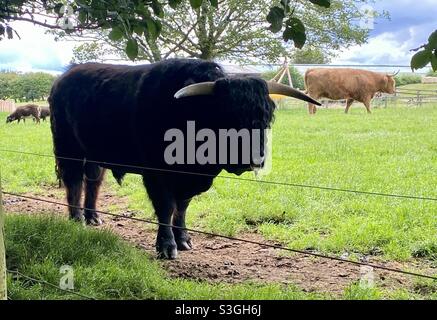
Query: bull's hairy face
{"points": [[9, 119], [390, 87], [248, 106]]}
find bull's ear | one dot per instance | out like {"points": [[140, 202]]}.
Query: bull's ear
{"points": [[197, 89]]}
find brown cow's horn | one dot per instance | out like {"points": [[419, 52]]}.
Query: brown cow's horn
{"points": [[197, 89], [394, 74], [277, 88]]}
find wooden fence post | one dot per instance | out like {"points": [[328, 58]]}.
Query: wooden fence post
{"points": [[3, 291]]}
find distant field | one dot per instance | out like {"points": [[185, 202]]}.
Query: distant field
{"points": [[392, 151], [420, 86]]}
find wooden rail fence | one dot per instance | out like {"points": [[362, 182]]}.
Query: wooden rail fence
{"points": [[7, 106], [3, 291]]}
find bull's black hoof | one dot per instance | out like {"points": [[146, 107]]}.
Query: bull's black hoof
{"points": [[167, 249], [76, 218], [93, 221], [184, 245], [183, 240]]}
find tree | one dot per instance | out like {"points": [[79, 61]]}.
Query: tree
{"points": [[233, 31], [296, 77], [309, 55], [88, 52], [236, 31], [6, 85], [432, 74], [25, 87], [124, 18], [426, 54], [32, 86]]}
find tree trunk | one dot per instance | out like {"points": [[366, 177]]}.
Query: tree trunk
{"points": [[3, 292], [154, 49], [202, 32]]}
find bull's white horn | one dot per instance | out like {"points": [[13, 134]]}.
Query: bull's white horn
{"points": [[197, 89], [281, 89], [394, 74]]}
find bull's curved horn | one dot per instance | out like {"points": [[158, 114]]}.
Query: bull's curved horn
{"points": [[394, 74], [197, 89], [277, 88]]}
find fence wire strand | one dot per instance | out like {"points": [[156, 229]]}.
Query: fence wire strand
{"points": [[265, 182], [46, 283], [301, 252]]}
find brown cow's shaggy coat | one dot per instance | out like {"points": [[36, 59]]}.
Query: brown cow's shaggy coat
{"points": [[348, 84]]}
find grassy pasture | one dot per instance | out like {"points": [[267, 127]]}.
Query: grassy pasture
{"points": [[392, 151], [109, 268], [420, 86]]}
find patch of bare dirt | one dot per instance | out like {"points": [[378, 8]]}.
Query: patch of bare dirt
{"points": [[221, 260]]}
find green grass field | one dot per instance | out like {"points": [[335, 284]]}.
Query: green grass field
{"points": [[420, 86], [392, 151]]}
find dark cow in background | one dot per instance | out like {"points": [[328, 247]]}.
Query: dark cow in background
{"points": [[347, 84], [44, 113], [117, 117], [23, 112]]}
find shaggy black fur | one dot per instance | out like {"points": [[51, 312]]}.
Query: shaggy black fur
{"points": [[29, 110], [119, 114], [45, 113]]}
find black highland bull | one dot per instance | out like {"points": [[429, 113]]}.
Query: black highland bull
{"points": [[119, 115], [23, 112]]}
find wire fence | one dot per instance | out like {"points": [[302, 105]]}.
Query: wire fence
{"points": [[402, 97], [259, 181], [303, 67], [409, 97], [266, 245], [19, 275]]}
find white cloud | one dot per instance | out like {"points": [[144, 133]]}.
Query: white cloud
{"points": [[382, 49], [391, 40], [35, 51]]}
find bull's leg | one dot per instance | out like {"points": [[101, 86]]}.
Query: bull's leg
{"points": [[182, 238], [164, 205], [72, 176], [348, 105], [93, 181], [367, 104], [312, 108], [165, 241]]}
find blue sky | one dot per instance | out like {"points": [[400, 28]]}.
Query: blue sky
{"points": [[390, 41]]}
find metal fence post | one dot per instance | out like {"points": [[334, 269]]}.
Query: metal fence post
{"points": [[3, 291]]}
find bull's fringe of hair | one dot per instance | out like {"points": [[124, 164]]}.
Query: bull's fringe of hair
{"points": [[247, 94]]}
